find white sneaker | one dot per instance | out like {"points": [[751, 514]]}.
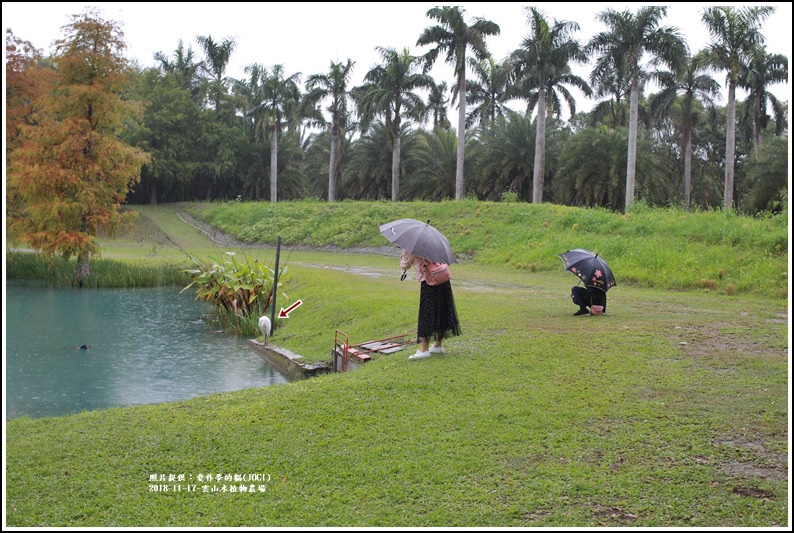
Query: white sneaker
{"points": [[420, 355], [437, 349]]}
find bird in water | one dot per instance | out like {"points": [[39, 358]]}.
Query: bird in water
{"points": [[265, 326], [84, 347]]}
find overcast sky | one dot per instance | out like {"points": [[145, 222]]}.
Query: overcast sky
{"points": [[307, 37]]}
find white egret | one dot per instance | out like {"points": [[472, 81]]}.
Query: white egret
{"points": [[264, 325]]}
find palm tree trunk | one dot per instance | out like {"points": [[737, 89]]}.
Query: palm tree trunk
{"points": [[395, 166], [757, 132], [687, 167], [274, 165], [631, 162], [540, 148], [461, 133], [730, 145], [338, 163], [332, 164]]}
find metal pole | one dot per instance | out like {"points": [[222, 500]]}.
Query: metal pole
{"points": [[275, 288]]}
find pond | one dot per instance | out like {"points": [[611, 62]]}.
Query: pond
{"points": [[144, 346]]}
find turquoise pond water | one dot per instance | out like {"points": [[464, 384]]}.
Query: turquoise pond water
{"points": [[147, 345]]}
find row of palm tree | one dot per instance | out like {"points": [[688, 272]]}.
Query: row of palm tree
{"points": [[542, 65], [736, 34], [538, 72]]}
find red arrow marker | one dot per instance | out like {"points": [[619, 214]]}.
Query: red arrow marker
{"points": [[285, 312]]}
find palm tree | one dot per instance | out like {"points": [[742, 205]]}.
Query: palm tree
{"points": [[183, 67], [388, 92], [437, 105], [763, 70], [621, 47], [502, 156], [734, 33], [590, 166], [453, 36], [434, 158], [317, 156], [486, 93], [682, 91], [274, 102], [334, 86], [541, 68], [367, 175], [218, 55], [768, 174], [611, 83]]}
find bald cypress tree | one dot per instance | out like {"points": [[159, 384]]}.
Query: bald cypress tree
{"points": [[71, 170]]}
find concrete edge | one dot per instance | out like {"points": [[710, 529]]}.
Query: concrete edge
{"points": [[288, 362]]}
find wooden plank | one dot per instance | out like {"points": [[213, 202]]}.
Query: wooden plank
{"points": [[393, 349], [383, 347], [374, 345]]}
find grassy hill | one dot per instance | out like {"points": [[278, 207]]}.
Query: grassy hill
{"points": [[650, 247]]}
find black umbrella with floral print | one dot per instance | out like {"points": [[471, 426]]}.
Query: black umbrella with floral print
{"points": [[589, 267]]}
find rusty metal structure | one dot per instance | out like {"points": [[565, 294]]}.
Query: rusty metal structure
{"points": [[348, 356]]}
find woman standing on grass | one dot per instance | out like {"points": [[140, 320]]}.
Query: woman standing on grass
{"points": [[437, 315]]}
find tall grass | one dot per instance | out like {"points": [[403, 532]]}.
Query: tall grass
{"points": [[105, 273], [652, 247]]}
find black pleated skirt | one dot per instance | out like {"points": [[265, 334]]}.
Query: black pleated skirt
{"points": [[437, 312]]}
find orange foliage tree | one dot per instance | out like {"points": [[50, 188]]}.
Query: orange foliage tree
{"points": [[25, 82], [24, 85], [70, 169]]}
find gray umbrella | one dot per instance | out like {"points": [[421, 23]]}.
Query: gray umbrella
{"points": [[420, 239]]}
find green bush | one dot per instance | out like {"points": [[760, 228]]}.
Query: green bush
{"points": [[240, 291]]}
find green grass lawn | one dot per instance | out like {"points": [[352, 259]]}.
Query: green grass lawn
{"points": [[669, 411]]}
